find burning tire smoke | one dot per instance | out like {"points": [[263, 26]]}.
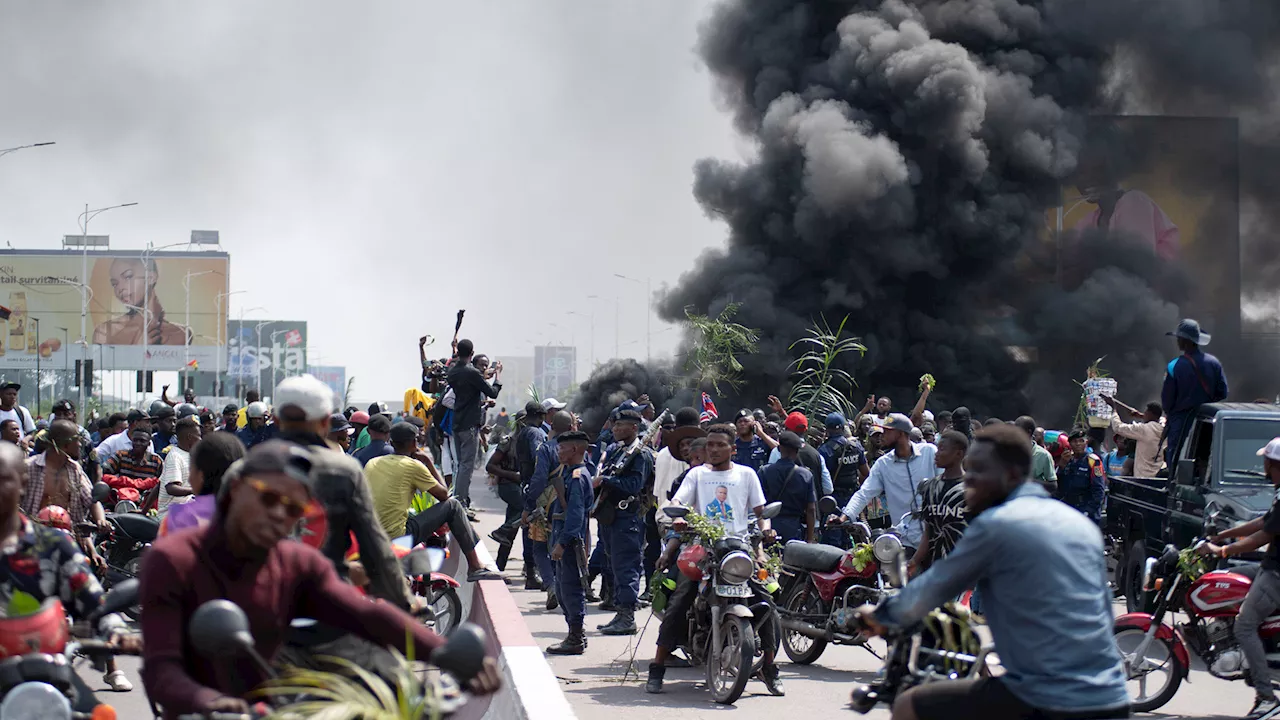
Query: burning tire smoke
{"points": [[906, 157]]}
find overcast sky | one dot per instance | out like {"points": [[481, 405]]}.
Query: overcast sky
{"points": [[373, 167]]}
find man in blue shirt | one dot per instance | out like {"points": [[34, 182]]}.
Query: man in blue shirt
{"points": [[1191, 380], [790, 483], [379, 440], [530, 437], [846, 462], [752, 446], [1045, 597], [569, 531]]}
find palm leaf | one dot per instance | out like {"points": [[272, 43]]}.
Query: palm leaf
{"points": [[352, 693], [820, 387]]}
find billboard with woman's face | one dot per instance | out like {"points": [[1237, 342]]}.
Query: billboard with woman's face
{"points": [[169, 308]]}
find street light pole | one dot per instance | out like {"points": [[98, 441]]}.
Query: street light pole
{"points": [[221, 328], [274, 364], [85, 217], [66, 358], [146, 304], [36, 322], [648, 313], [186, 335]]}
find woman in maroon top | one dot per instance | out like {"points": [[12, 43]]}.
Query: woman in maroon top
{"points": [[240, 557]]}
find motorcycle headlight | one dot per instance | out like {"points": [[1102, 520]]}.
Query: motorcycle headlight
{"points": [[736, 568], [35, 701], [887, 548]]}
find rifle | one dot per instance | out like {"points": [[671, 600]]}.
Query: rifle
{"points": [[624, 460]]}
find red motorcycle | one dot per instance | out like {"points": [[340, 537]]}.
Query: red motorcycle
{"points": [[1157, 655], [822, 585]]}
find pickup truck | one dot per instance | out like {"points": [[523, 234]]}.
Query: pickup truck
{"points": [[1217, 468]]}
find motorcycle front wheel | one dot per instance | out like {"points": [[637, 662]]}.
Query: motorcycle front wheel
{"points": [[729, 666], [447, 607], [1153, 679], [802, 649]]}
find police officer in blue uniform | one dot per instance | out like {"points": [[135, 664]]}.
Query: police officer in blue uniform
{"points": [[790, 483], [569, 533], [847, 463], [620, 514], [1082, 481]]}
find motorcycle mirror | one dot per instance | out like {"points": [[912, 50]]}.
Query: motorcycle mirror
{"points": [[771, 510], [463, 653], [219, 629], [101, 492], [422, 561], [675, 511], [404, 541], [828, 506], [121, 596]]}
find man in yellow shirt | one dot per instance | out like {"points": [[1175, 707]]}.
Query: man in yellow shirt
{"points": [[394, 479]]}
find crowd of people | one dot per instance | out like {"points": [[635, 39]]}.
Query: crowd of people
{"points": [[229, 489]]}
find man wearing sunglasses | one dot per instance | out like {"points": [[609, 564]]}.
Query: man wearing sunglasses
{"points": [[240, 556]]}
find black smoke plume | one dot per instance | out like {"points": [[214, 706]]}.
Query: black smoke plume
{"points": [[905, 155], [614, 382]]}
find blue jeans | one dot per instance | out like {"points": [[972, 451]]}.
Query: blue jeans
{"points": [[622, 541], [573, 597]]}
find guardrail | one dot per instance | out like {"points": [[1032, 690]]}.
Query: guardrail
{"points": [[530, 690]]}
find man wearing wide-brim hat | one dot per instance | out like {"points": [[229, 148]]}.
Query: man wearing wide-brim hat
{"points": [[1191, 380]]}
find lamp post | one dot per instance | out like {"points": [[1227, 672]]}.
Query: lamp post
{"points": [[6, 151], [66, 357], [36, 321], [186, 335], [256, 363], [146, 301], [84, 219], [221, 328], [648, 314], [274, 364], [616, 322], [591, 354]]}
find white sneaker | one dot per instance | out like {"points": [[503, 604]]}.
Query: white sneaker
{"points": [[117, 681]]}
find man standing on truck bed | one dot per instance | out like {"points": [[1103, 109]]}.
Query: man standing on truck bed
{"points": [[1193, 379]]}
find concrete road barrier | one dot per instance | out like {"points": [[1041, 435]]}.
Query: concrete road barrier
{"points": [[530, 690]]}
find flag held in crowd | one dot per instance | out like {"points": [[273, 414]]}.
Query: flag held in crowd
{"points": [[708, 409]]}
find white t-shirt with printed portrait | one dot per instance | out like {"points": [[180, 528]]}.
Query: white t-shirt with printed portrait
{"points": [[725, 496]]}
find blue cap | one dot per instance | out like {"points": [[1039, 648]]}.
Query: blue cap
{"points": [[835, 419]]}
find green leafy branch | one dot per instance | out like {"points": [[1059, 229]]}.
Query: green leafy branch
{"points": [[820, 386], [716, 344]]}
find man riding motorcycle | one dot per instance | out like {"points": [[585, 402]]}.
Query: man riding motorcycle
{"points": [[1264, 593], [720, 484], [1040, 567], [43, 562], [240, 556]]}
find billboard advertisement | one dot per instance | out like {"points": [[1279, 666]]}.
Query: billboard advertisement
{"points": [[260, 353], [135, 308], [554, 369], [335, 376]]}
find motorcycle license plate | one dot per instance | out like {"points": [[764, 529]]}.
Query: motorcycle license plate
{"points": [[738, 591]]}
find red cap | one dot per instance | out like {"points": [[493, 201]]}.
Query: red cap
{"points": [[796, 423], [360, 417]]}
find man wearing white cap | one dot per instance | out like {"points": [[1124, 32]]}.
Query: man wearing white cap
{"points": [[1264, 594], [549, 408]]}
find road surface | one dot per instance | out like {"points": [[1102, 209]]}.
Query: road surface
{"points": [[599, 688]]}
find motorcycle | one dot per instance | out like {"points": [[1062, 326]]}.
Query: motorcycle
{"points": [[36, 674], [1153, 648], [943, 647], [122, 548], [730, 609], [438, 592], [822, 585], [219, 629]]}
